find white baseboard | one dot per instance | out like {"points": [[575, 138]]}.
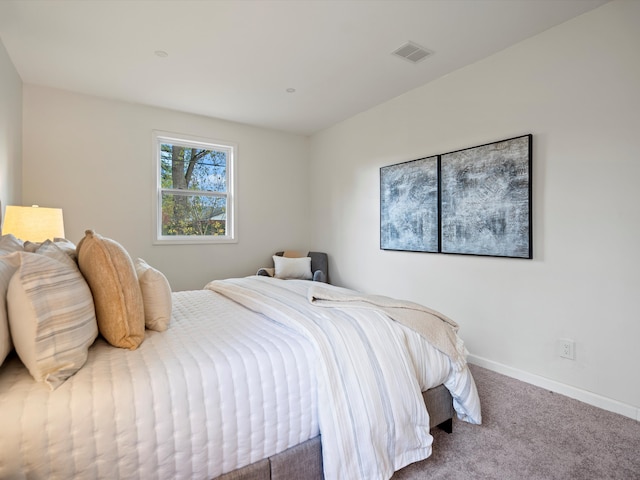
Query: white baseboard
{"points": [[557, 387]]}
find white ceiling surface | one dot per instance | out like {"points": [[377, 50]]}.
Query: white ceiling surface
{"points": [[235, 59]]}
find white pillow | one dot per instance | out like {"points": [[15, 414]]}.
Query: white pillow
{"points": [[287, 268], [51, 314], [8, 244], [156, 296]]}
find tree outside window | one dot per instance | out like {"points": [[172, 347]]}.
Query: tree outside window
{"points": [[195, 191]]}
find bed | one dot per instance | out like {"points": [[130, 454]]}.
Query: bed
{"points": [[249, 380]]}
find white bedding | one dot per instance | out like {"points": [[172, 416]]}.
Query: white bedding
{"points": [[223, 387], [372, 416], [220, 389]]}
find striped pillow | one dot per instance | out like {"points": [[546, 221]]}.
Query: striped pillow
{"points": [[51, 314], [67, 246], [8, 244], [6, 272]]}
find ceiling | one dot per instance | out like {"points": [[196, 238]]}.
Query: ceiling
{"points": [[235, 59]]}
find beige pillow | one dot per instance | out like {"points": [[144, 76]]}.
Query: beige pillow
{"points": [[51, 315], [8, 244], [287, 268], [110, 273], [156, 296]]}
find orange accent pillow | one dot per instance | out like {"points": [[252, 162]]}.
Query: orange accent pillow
{"points": [[111, 275]]}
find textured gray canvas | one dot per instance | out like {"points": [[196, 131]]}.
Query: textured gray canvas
{"points": [[409, 206], [486, 199]]}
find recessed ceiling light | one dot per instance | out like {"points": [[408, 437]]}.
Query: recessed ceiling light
{"points": [[161, 53], [291, 90]]}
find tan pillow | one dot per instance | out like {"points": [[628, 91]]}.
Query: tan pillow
{"points": [[110, 273], [51, 314], [156, 296]]}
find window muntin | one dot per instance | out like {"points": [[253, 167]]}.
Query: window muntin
{"points": [[194, 201]]}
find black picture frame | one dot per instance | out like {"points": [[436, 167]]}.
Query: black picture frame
{"points": [[409, 206], [485, 200], [473, 201]]}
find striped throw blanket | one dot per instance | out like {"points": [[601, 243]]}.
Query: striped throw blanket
{"points": [[435, 327], [371, 414]]}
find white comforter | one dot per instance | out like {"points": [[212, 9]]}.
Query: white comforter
{"points": [[372, 416], [220, 389], [223, 387]]}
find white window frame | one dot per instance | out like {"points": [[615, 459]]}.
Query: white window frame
{"points": [[159, 138]]}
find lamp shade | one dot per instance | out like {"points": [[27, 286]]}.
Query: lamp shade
{"points": [[34, 223]]}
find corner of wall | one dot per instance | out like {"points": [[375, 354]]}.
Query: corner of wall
{"points": [[10, 132]]}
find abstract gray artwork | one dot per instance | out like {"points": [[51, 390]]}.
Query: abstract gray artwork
{"points": [[409, 206], [486, 199]]}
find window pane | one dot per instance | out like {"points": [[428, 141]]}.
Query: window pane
{"points": [[193, 215], [188, 168]]}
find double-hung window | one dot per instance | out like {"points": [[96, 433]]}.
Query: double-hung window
{"points": [[194, 199]]}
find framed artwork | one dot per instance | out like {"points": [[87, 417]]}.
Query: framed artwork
{"points": [[486, 199], [475, 201], [409, 206]]}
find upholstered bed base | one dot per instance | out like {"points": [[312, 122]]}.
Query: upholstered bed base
{"points": [[305, 460]]}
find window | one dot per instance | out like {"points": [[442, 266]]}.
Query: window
{"points": [[194, 200]]}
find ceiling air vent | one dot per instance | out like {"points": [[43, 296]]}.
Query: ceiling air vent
{"points": [[412, 52]]}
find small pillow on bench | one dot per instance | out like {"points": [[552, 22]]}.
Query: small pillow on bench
{"points": [[292, 268]]}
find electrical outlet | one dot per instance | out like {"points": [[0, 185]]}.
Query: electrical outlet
{"points": [[567, 349]]}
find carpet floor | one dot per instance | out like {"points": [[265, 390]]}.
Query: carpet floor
{"points": [[534, 434]]}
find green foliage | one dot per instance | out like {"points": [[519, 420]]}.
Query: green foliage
{"points": [[193, 168], [193, 215], [203, 172]]}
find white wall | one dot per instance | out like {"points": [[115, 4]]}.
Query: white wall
{"points": [[10, 132], [93, 158], [576, 88]]}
